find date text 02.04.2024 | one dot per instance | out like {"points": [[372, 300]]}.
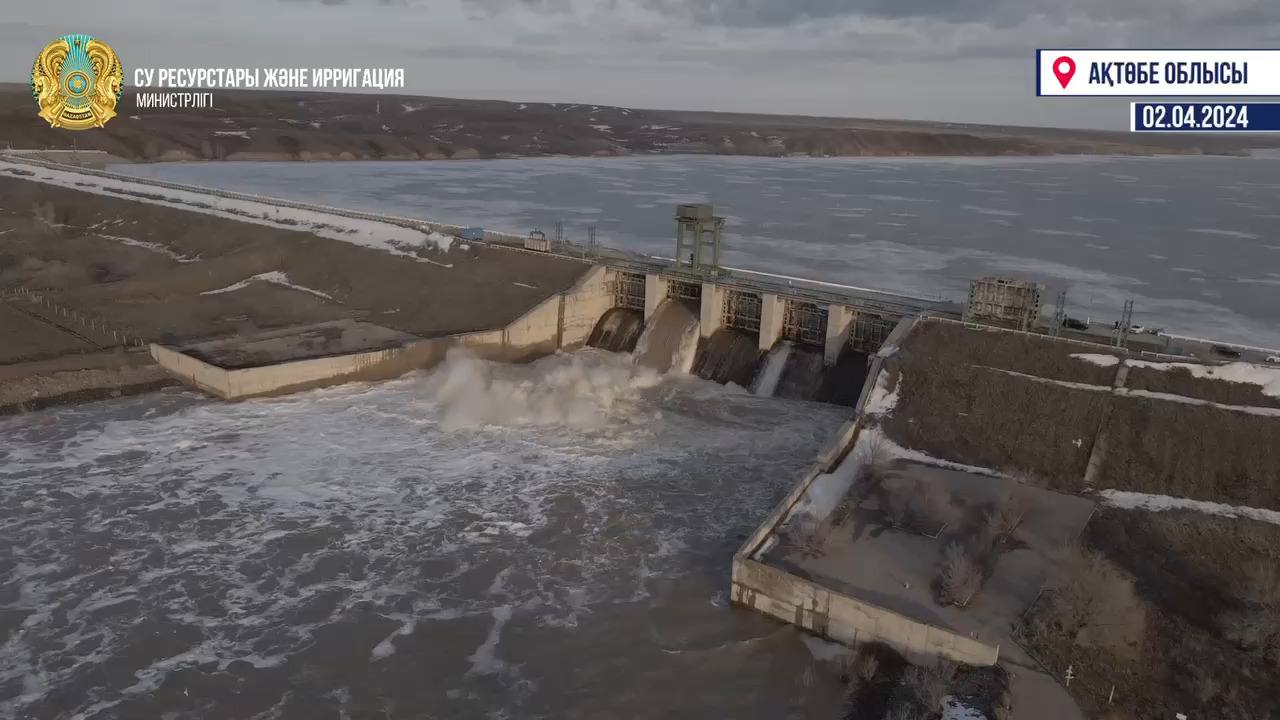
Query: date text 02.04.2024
{"points": [[1204, 117]]}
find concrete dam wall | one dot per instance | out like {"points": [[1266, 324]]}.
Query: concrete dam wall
{"points": [[771, 359]]}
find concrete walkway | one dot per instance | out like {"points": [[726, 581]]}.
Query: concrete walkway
{"points": [[1034, 694]]}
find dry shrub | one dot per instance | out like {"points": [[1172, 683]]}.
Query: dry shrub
{"points": [[927, 684], [959, 575], [866, 666], [1007, 512], [919, 505], [873, 459], [907, 712], [1195, 574], [1094, 603], [1193, 451]]}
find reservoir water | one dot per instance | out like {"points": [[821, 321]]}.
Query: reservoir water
{"points": [[1195, 242], [480, 541]]}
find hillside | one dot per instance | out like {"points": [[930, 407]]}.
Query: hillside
{"points": [[261, 125]]}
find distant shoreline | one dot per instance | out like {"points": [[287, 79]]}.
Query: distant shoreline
{"points": [[313, 126]]}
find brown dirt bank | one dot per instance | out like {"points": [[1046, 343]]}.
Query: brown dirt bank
{"points": [[1180, 381], [74, 246], [25, 387], [270, 125], [953, 408], [1193, 451], [1196, 594]]}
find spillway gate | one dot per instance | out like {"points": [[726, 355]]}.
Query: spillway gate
{"points": [[869, 331], [741, 310], [684, 290], [628, 290], [804, 322]]}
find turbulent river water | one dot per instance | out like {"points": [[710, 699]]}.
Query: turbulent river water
{"points": [[483, 540], [1195, 242]]}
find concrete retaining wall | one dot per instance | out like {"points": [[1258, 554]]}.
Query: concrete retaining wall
{"points": [[838, 617], [584, 304], [209, 378], [830, 613], [562, 320]]}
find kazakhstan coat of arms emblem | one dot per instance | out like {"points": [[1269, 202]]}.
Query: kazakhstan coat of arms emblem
{"points": [[76, 82]]}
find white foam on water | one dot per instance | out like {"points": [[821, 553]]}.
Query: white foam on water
{"points": [[251, 531], [1065, 233], [992, 211], [1226, 233]]}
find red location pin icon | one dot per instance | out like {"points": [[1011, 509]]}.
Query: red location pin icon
{"points": [[1064, 68]]}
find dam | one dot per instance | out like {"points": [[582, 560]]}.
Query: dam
{"points": [[741, 316], [459, 502]]}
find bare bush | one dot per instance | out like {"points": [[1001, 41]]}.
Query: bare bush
{"points": [[907, 712], [958, 576], [930, 503], [1093, 601], [928, 684], [1007, 512], [899, 509], [866, 666], [873, 459], [918, 504]]}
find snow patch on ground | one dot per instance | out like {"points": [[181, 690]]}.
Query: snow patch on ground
{"points": [[153, 247], [883, 398], [1170, 397], [1240, 372], [1048, 381], [952, 709], [1097, 359], [275, 277], [233, 133], [388, 237], [1162, 503], [898, 452], [828, 489]]}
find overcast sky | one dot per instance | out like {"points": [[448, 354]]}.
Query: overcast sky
{"points": [[951, 60]]}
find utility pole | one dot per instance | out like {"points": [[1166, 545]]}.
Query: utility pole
{"points": [[1126, 322], [1059, 314]]}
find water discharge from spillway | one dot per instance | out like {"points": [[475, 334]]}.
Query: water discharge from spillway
{"points": [[484, 540], [766, 382], [669, 342], [730, 355], [618, 330], [802, 374]]}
